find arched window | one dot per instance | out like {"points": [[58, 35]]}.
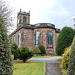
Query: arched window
{"points": [[24, 19], [50, 38], [20, 20], [37, 38]]}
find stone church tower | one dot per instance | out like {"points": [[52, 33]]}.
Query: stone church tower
{"points": [[32, 35], [23, 18]]}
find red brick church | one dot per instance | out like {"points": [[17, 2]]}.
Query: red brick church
{"points": [[33, 35]]}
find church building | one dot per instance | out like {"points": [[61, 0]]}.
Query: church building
{"points": [[33, 35]]}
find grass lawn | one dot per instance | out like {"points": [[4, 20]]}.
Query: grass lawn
{"points": [[28, 68], [43, 56]]}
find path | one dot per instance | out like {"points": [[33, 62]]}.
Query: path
{"points": [[51, 59], [52, 69], [52, 65]]}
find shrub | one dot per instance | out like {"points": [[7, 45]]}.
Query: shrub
{"points": [[5, 52], [71, 68], [64, 39], [42, 49], [12, 56], [15, 51], [25, 54], [64, 72], [30, 54], [36, 50], [65, 58]]}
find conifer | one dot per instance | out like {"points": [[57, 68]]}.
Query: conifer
{"points": [[5, 52], [71, 68]]}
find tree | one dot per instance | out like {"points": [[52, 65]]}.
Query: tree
{"points": [[42, 49], [6, 14], [25, 54], [5, 52], [36, 50], [64, 39], [15, 51], [71, 68]]}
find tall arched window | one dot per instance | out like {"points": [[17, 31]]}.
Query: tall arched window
{"points": [[37, 38], [24, 19], [50, 38]]}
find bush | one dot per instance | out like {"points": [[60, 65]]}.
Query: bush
{"points": [[65, 58], [42, 49], [64, 72], [25, 54], [64, 39], [71, 68], [36, 50], [5, 52], [30, 54], [15, 51], [12, 57]]}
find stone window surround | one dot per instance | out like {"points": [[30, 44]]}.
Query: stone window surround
{"points": [[24, 19], [49, 45], [38, 38], [50, 33]]}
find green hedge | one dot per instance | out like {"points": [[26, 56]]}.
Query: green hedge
{"points": [[42, 49], [64, 39], [71, 68], [36, 50]]}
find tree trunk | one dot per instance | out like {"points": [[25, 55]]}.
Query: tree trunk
{"points": [[24, 60]]}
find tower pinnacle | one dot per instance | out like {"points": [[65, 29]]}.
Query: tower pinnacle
{"points": [[20, 9]]}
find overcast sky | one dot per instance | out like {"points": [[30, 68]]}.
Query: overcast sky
{"points": [[58, 12]]}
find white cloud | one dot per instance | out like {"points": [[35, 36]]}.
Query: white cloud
{"points": [[59, 12]]}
